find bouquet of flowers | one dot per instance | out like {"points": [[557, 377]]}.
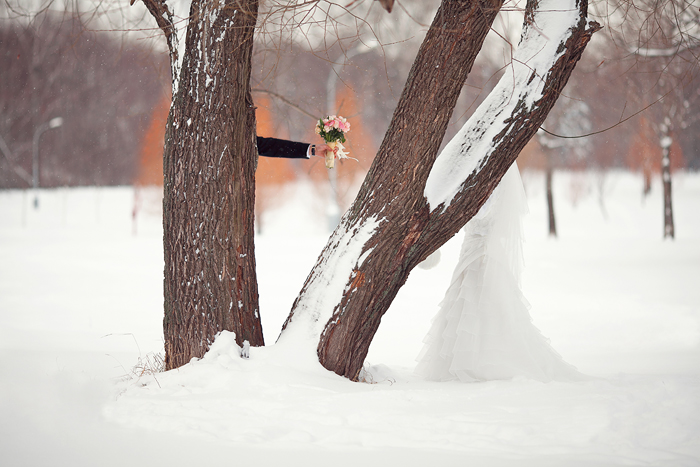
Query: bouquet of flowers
{"points": [[332, 129]]}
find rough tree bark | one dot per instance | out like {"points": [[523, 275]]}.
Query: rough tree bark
{"points": [[209, 161], [392, 227]]}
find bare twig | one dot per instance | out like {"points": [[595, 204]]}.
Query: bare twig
{"points": [[286, 101], [610, 127]]}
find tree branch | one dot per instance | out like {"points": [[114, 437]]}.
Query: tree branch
{"points": [[610, 127], [286, 101], [516, 108], [164, 18]]}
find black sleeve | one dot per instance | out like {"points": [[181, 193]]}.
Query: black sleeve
{"points": [[273, 147]]}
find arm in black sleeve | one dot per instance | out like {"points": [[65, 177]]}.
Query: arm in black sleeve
{"points": [[273, 147]]}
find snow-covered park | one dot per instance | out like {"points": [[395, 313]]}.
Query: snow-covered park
{"points": [[81, 316]]}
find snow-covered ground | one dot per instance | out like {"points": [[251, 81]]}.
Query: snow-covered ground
{"points": [[81, 301]]}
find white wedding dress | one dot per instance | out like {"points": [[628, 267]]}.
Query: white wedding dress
{"points": [[483, 330]]}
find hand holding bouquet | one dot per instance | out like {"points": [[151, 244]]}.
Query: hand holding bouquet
{"points": [[332, 129]]}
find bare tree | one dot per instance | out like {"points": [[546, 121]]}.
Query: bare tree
{"points": [[411, 203], [103, 89], [569, 117], [662, 40], [209, 166]]}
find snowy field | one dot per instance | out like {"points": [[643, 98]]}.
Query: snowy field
{"points": [[81, 302]]}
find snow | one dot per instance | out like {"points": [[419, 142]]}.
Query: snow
{"points": [[180, 10], [472, 146], [327, 285], [81, 300]]}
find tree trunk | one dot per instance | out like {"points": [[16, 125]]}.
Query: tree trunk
{"points": [[666, 140], [209, 188], [550, 197], [646, 174], [397, 219]]}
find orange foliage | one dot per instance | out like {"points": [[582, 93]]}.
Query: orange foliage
{"points": [[359, 144], [645, 152], [150, 169]]}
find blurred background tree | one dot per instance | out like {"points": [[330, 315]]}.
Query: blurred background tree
{"points": [[104, 88], [72, 60]]}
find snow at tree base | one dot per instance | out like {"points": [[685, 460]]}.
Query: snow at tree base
{"points": [[81, 302]]}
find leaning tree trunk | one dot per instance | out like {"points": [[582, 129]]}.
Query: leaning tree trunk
{"points": [[209, 166], [410, 203]]}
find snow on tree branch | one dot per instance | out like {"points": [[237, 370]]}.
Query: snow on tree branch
{"points": [[172, 17], [519, 90]]}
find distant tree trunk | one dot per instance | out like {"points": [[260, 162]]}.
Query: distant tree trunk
{"points": [[550, 196], [209, 188], [391, 227], [666, 140], [646, 173]]}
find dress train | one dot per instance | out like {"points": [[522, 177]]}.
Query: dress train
{"points": [[483, 330]]}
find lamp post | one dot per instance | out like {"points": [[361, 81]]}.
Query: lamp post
{"points": [[333, 211], [51, 124]]}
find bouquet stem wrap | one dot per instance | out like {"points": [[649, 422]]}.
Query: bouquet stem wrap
{"points": [[330, 156]]}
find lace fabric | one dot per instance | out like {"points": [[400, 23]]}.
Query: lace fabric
{"points": [[483, 329]]}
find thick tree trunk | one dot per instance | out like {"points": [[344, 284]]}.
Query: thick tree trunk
{"points": [[397, 219], [209, 165]]}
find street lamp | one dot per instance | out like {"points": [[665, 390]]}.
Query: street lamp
{"points": [[51, 124]]}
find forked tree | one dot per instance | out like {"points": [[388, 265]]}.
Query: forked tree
{"points": [[410, 204], [412, 201]]}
